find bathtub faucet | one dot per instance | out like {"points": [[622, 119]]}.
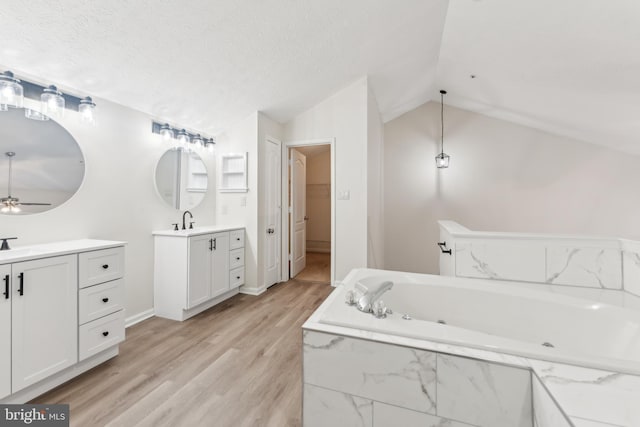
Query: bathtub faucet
{"points": [[372, 294]]}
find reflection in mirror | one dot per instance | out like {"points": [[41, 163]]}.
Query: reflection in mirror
{"points": [[181, 178], [40, 161]]}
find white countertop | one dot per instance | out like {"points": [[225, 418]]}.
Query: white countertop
{"points": [[196, 231], [26, 253], [589, 397]]}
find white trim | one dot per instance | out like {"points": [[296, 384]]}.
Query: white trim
{"points": [[252, 291], [137, 318], [285, 199]]}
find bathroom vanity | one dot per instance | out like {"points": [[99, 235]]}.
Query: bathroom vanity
{"points": [[196, 269], [61, 313]]}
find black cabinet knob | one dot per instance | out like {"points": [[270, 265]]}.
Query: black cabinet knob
{"points": [[238, 277], [238, 239], [105, 299], [237, 258], [105, 266], [105, 333]]}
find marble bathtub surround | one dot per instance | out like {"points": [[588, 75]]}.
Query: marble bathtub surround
{"points": [[603, 263], [586, 397], [346, 409], [339, 372]]}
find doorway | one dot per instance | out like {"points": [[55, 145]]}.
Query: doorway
{"points": [[310, 216]]}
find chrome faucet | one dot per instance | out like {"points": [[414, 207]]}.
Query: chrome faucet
{"points": [[184, 225], [366, 302]]}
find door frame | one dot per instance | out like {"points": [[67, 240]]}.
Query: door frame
{"points": [[286, 235]]}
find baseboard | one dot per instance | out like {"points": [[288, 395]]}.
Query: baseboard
{"points": [[137, 318], [252, 291]]}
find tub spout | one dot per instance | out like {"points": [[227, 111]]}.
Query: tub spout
{"points": [[365, 302]]}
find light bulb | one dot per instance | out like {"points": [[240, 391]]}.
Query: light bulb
{"points": [[183, 138], [52, 102], [11, 91], [166, 132], [87, 110]]}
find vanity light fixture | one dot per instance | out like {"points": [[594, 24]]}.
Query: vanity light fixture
{"points": [[11, 92], [442, 160], [87, 110], [52, 101], [166, 131], [188, 140], [210, 144], [183, 137]]}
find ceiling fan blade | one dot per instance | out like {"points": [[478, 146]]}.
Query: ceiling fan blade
{"points": [[33, 204]]}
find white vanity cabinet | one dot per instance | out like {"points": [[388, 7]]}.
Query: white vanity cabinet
{"points": [[41, 338], [44, 321], [5, 330], [193, 269]]}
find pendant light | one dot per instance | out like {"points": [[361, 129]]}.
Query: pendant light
{"points": [[442, 160], [11, 92], [52, 102]]}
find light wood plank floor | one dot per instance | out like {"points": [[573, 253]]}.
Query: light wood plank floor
{"points": [[237, 364], [317, 269]]}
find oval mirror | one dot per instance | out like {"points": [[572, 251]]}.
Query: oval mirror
{"points": [[181, 178], [41, 165]]}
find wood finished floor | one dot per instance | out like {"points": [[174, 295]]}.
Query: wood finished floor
{"points": [[317, 269], [237, 364]]}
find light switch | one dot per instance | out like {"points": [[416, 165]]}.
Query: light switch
{"points": [[344, 195]]}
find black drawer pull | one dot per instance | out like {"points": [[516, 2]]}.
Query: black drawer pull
{"points": [[105, 299], [6, 287], [21, 288], [443, 248], [237, 258], [238, 239], [105, 333], [238, 277], [105, 266]]}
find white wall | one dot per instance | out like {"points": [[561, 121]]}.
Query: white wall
{"points": [[117, 199], [375, 180], [503, 177], [343, 116], [319, 202], [241, 208]]}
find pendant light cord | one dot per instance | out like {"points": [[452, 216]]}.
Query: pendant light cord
{"points": [[442, 121]]}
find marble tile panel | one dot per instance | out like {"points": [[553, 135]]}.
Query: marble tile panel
{"points": [[591, 267], [387, 373], [329, 408], [592, 394], [500, 261], [483, 394], [545, 411], [631, 267], [394, 416]]}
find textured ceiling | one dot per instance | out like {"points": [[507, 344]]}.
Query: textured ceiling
{"points": [[207, 64], [570, 67]]}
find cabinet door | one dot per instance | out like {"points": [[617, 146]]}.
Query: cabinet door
{"points": [[220, 267], [199, 280], [44, 318], [5, 330]]}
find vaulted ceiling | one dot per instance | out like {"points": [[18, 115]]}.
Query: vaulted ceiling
{"points": [[565, 66]]}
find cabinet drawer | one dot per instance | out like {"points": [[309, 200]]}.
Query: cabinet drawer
{"points": [[236, 277], [237, 239], [99, 300], [100, 266], [101, 334], [236, 258]]}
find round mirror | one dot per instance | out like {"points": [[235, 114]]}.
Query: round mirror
{"points": [[181, 178], [41, 165]]}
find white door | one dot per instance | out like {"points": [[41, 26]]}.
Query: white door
{"points": [[5, 330], [44, 318], [273, 208], [200, 253], [298, 212], [220, 264]]}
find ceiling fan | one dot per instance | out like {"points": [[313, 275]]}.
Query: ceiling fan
{"points": [[12, 204]]}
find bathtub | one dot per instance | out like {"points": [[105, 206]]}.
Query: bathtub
{"points": [[585, 327]]}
